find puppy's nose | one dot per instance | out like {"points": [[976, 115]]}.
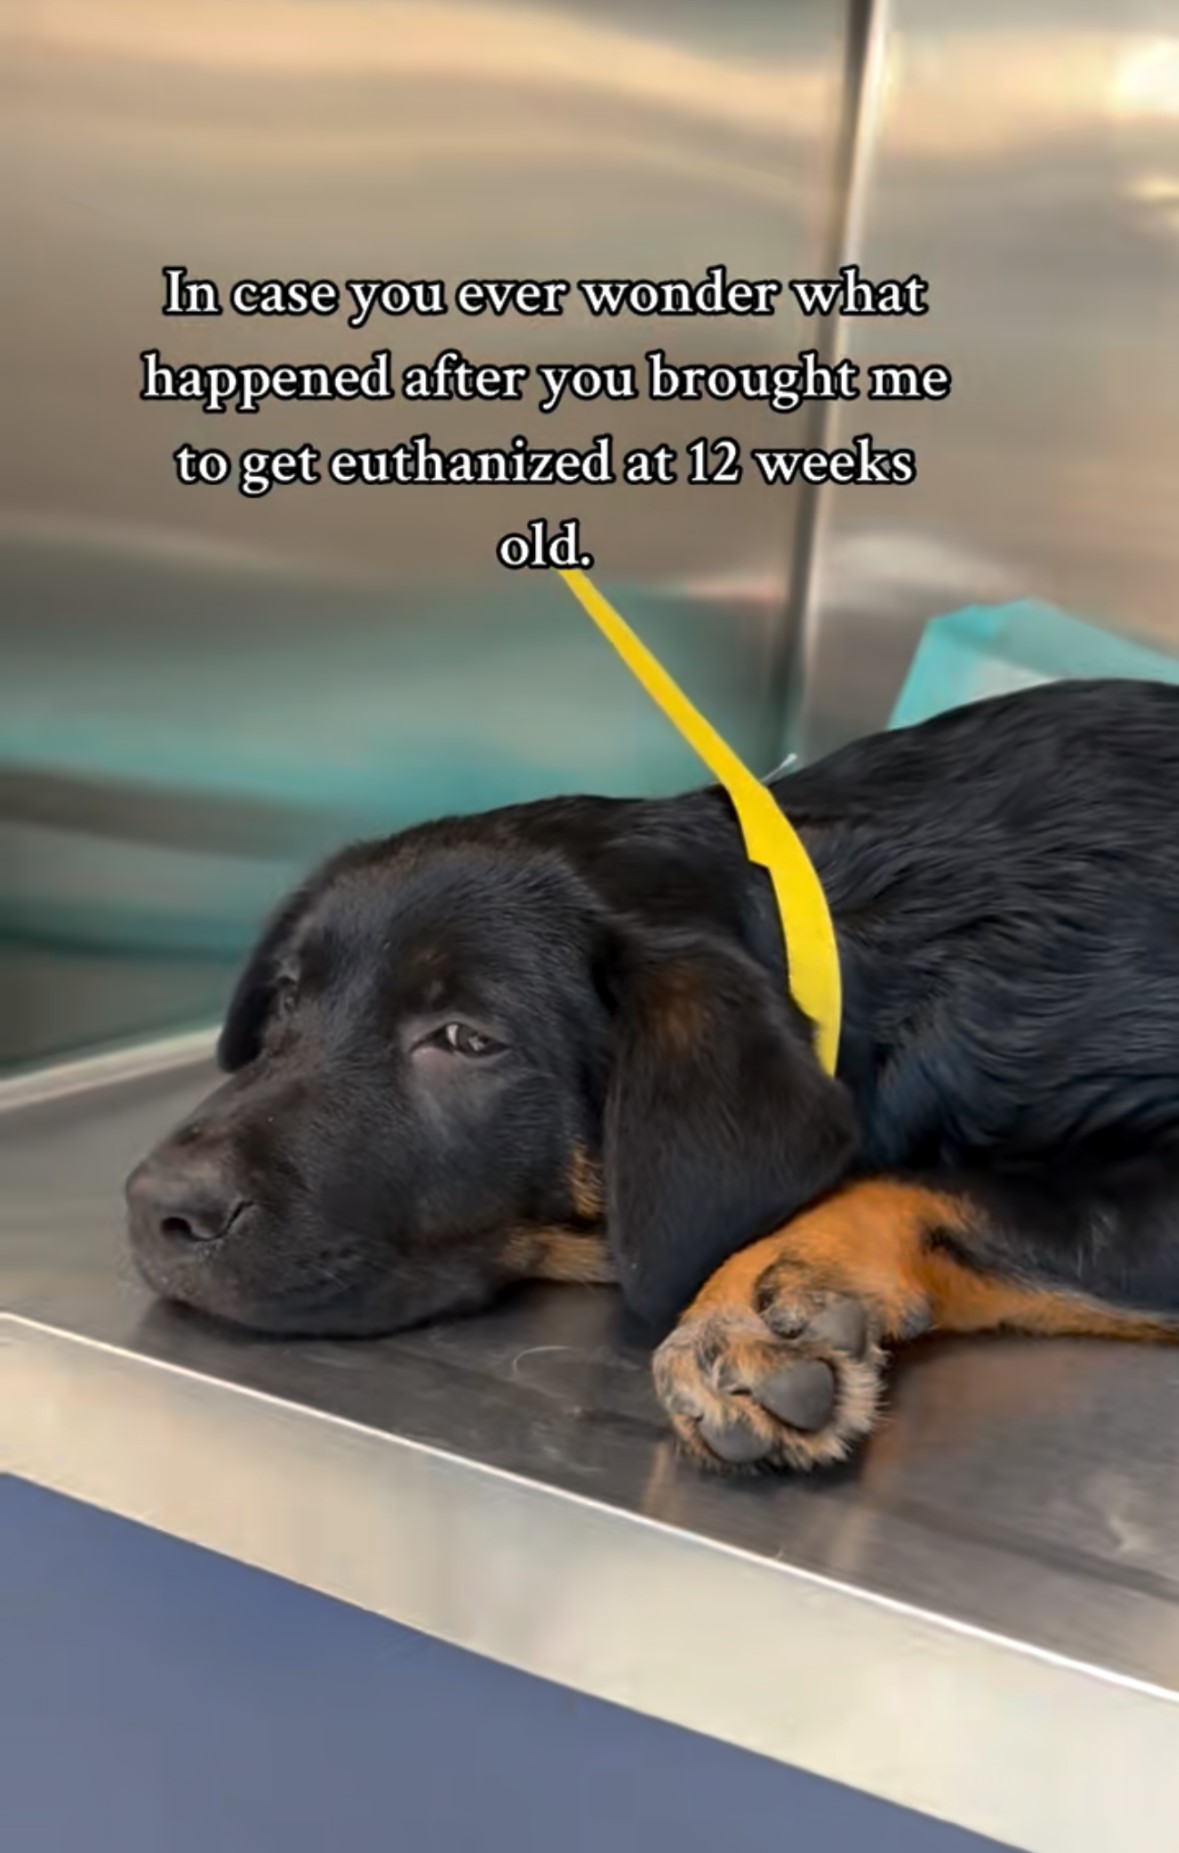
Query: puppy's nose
{"points": [[189, 1200]]}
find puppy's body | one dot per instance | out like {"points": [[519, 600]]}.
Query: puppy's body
{"points": [[1002, 1145], [1006, 886]]}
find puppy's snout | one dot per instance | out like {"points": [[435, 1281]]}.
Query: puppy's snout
{"points": [[187, 1198]]}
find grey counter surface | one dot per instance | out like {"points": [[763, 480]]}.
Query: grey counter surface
{"points": [[979, 1619]]}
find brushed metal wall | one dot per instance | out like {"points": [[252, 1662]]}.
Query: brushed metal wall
{"points": [[197, 685], [1026, 163], [405, 138], [168, 647]]}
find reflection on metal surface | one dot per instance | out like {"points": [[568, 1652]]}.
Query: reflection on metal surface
{"points": [[1025, 167], [59, 1080], [412, 140], [792, 662], [355, 655], [992, 1586], [1146, 81], [649, 55], [286, 658]]}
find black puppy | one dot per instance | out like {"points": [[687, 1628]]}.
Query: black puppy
{"points": [[558, 1040]]}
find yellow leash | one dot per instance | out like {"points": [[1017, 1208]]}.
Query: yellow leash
{"points": [[770, 841]]}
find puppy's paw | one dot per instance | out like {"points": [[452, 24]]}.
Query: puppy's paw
{"points": [[793, 1382]]}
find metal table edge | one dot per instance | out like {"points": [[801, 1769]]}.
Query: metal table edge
{"points": [[916, 1707], [781, 1661]]}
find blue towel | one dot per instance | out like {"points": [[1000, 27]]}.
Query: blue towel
{"points": [[996, 649]]}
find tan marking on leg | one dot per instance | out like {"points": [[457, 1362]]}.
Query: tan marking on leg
{"points": [[872, 1240], [963, 1301], [742, 1375], [867, 1239]]}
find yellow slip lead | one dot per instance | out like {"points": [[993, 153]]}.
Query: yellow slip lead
{"points": [[770, 840]]}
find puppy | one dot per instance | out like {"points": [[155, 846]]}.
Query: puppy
{"points": [[558, 1040]]}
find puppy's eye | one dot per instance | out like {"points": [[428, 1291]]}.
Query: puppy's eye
{"points": [[461, 1039], [286, 992]]}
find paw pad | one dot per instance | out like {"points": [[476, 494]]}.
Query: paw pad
{"points": [[793, 1383]]}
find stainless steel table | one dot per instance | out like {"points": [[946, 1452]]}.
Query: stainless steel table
{"points": [[979, 1619]]}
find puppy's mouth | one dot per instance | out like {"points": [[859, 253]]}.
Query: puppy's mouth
{"points": [[231, 1279]]}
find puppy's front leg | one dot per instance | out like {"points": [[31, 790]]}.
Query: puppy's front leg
{"points": [[779, 1360]]}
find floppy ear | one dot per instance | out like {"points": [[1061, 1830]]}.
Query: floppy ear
{"points": [[253, 995], [720, 1123]]}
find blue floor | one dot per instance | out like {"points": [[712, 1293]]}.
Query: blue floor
{"points": [[155, 1698]]}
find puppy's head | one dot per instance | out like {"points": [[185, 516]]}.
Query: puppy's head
{"points": [[453, 1061]]}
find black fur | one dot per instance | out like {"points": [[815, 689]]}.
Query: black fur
{"points": [[1005, 887], [718, 1117]]}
